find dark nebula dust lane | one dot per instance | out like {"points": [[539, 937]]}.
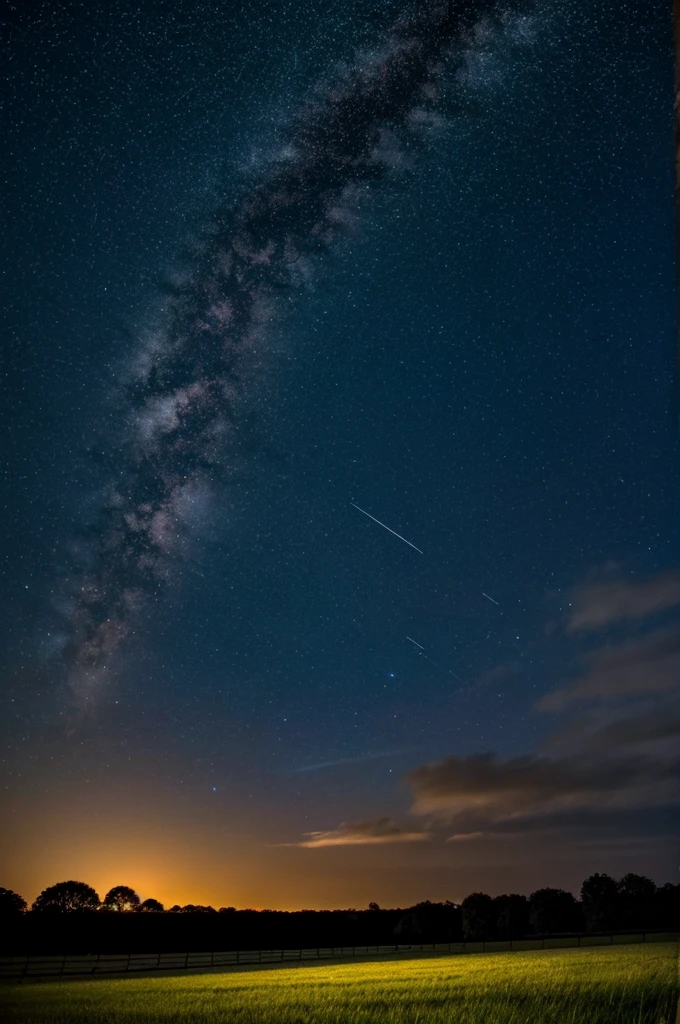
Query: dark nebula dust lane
{"points": [[191, 377]]}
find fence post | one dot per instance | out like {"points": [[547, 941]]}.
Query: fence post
{"points": [[300, 954], [186, 959]]}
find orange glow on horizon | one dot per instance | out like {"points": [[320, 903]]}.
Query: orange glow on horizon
{"points": [[178, 855]]}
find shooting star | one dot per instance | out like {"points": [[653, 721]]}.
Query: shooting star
{"points": [[387, 528], [490, 598], [427, 657], [414, 642]]}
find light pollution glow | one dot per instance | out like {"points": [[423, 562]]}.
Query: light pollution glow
{"points": [[181, 856]]}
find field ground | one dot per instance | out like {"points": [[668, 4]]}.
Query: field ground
{"points": [[636, 984]]}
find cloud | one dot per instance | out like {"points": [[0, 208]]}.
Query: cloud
{"points": [[480, 792], [647, 665], [599, 774], [653, 728], [605, 775], [363, 833], [658, 723], [560, 830], [602, 774], [597, 605]]}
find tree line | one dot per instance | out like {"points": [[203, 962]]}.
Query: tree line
{"points": [[606, 904]]}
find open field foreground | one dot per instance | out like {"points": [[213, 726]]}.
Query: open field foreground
{"points": [[627, 985]]}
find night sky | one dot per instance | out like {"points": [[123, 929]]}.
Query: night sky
{"points": [[271, 269]]}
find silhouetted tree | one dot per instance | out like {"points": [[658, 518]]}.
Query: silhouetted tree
{"points": [[505, 917], [374, 906], [407, 928], [227, 910], [477, 911], [175, 909], [599, 901], [667, 906], [151, 907], [454, 917], [11, 903], [429, 922], [510, 916], [66, 898], [553, 910], [121, 899], [636, 901]]}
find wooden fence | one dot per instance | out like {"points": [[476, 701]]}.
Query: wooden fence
{"points": [[12, 968]]}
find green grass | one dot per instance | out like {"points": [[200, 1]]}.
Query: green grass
{"points": [[634, 984]]}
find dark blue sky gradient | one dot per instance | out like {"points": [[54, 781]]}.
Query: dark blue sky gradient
{"points": [[484, 361]]}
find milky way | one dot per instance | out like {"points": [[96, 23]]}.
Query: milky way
{"points": [[191, 374]]}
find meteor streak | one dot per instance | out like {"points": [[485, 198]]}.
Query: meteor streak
{"points": [[389, 529], [422, 654], [490, 598]]}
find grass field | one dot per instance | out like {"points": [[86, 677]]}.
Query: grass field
{"points": [[617, 985]]}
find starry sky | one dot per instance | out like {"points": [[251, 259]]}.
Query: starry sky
{"points": [[277, 276]]}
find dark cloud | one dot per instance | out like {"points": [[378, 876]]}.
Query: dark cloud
{"points": [[597, 777], [594, 606], [479, 793], [584, 826], [653, 728], [363, 833], [659, 723], [610, 773], [650, 664], [597, 774]]}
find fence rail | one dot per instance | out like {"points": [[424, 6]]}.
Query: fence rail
{"points": [[22, 967]]}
